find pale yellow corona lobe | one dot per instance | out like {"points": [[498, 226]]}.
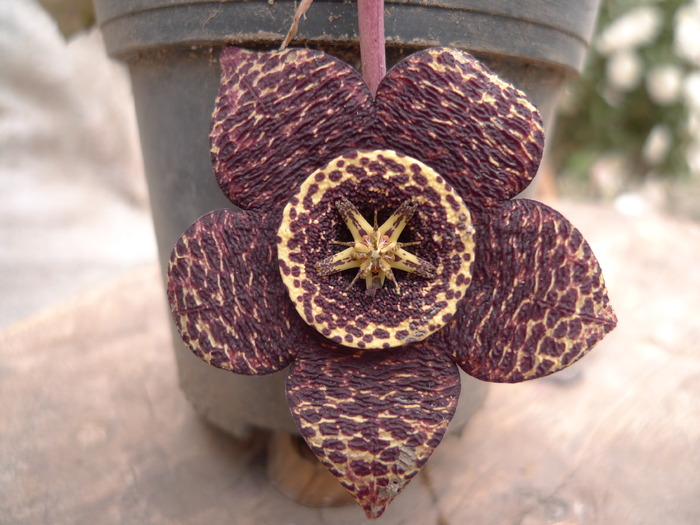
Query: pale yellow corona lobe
{"points": [[375, 250]]}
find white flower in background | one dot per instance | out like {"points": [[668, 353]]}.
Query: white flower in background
{"points": [[692, 124], [691, 97], [686, 37], [637, 27], [607, 173], [623, 70], [691, 91], [657, 144], [692, 156], [664, 83], [632, 204]]}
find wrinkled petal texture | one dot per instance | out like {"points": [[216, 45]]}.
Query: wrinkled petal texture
{"points": [[537, 302], [373, 418], [227, 297], [445, 108], [278, 117]]}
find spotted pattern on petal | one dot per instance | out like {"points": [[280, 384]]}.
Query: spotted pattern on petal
{"points": [[447, 109], [279, 116], [373, 418], [226, 295], [537, 302]]}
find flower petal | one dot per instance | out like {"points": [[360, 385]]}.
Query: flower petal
{"points": [[373, 418], [537, 302], [227, 297], [279, 116], [444, 107]]}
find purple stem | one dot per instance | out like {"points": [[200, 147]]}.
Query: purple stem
{"points": [[370, 17]]}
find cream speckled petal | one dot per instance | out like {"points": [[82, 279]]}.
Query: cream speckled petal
{"points": [[226, 297], [279, 116], [373, 418], [447, 109], [537, 303]]}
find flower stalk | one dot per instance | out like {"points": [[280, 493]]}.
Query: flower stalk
{"points": [[370, 15]]}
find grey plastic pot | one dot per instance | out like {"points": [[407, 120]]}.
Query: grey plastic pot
{"points": [[171, 49]]}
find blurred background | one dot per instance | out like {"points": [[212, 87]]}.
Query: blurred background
{"points": [[73, 200], [629, 129]]}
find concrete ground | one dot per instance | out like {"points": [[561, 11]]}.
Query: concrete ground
{"points": [[93, 428]]}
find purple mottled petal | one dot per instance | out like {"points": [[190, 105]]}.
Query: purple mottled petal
{"points": [[537, 302], [279, 116], [373, 418], [444, 107], [227, 298]]}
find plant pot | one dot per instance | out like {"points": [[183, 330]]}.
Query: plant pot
{"points": [[171, 49]]}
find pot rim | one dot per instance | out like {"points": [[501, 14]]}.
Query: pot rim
{"points": [[555, 37]]}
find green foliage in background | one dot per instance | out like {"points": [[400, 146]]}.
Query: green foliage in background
{"points": [[614, 108], [71, 16]]}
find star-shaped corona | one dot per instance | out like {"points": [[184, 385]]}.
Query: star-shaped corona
{"points": [[438, 268], [375, 250]]}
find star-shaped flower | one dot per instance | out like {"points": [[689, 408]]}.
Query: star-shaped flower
{"points": [[507, 289]]}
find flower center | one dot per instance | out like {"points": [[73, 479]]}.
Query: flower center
{"points": [[375, 250], [430, 268]]}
